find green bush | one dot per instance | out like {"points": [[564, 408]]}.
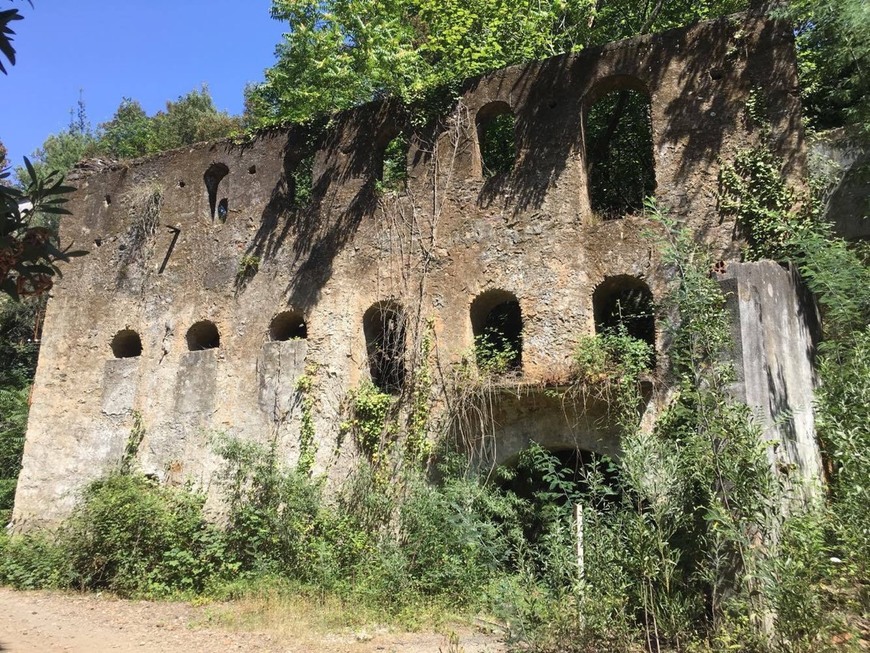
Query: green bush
{"points": [[35, 561], [134, 537]]}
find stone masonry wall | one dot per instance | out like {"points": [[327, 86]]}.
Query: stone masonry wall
{"points": [[159, 267]]}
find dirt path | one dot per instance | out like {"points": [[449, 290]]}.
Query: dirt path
{"points": [[51, 622]]}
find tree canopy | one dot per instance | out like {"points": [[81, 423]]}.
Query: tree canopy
{"points": [[131, 132], [833, 38], [338, 53]]}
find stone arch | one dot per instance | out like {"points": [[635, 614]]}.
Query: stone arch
{"points": [[384, 330], [288, 325], [203, 335], [126, 344], [618, 145], [496, 138], [212, 178], [497, 324], [625, 302]]}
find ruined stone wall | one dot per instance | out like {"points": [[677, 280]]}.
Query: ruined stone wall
{"points": [[172, 239]]}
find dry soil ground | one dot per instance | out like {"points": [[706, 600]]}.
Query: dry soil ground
{"points": [[52, 622]]}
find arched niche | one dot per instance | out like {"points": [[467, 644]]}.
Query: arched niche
{"points": [[391, 166], [623, 303], [618, 140], [288, 325], [299, 177], [126, 344], [384, 330], [497, 324], [203, 335], [496, 138]]}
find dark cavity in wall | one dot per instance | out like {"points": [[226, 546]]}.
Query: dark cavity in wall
{"points": [[384, 329], [619, 150], [203, 335], [126, 344], [496, 137], [625, 304], [497, 323], [580, 476], [212, 177], [288, 325]]}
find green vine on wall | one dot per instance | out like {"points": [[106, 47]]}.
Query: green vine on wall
{"points": [[610, 365], [134, 440], [753, 190], [307, 433], [417, 445], [370, 422]]}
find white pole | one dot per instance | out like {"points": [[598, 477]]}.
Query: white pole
{"points": [[578, 521]]}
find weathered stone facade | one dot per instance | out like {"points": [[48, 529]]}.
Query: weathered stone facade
{"points": [[173, 240]]}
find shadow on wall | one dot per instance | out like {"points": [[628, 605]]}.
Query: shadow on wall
{"points": [[707, 100], [344, 164], [711, 87]]}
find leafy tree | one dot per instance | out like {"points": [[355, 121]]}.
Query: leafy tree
{"points": [[338, 53], [28, 253], [833, 38], [130, 133], [191, 119]]}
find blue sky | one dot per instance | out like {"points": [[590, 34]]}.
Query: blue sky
{"points": [[148, 50]]}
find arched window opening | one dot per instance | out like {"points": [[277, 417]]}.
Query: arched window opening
{"points": [[497, 323], [300, 181], [203, 335], [392, 172], [126, 344], [496, 136], [619, 151], [288, 325], [384, 329], [624, 304], [212, 178]]}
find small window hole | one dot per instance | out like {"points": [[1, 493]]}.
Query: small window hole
{"points": [[288, 325], [126, 344], [203, 335], [223, 209]]}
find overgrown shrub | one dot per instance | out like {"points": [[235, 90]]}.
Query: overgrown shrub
{"points": [[34, 561], [134, 537]]}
